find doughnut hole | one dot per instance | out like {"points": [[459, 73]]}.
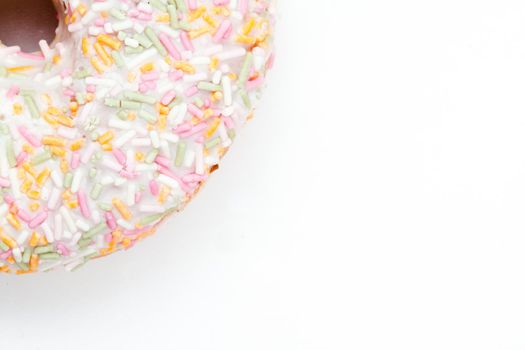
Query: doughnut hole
{"points": [[25, 22]]}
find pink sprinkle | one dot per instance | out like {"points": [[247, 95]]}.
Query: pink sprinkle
{"points": [[223, 31], [150, 76], [84, 209], [62, 249], [37, 220], [162, 161], [4, 182], [32, 56], [186, 42], [33, 140], [13, 91], [154, 187], [120, 156], [9, 199], [22, 156], [196, 111], [191, 91], [168, 97], [168, 44], [195, 130], [175, 75], [75, 160], [24, 215], [110, 220]]}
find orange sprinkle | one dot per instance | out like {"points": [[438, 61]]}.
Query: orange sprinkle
{"points": [[122, 208]]}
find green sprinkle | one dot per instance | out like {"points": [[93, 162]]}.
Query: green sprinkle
{"points": [[49, 256], [137, 97], [44, 249], [156, 42], [204, 85], [117, 14], [95, 230], [143, 40], [26, 256], [31, 105], [23, 266], [245, 70], [122, 114], [96, 191], [150, 219], [133, 50], [112, 102], [130, 105], [10, 152], [150, 157], [181, 5], [118, 59], [245, 98], [41, 158], [174, 17], [212, 143], [4, 246], [150, 118], [3, 72], [68, 178], [92, 172], [84, 243], [157, 4], [105, 206], [181, 150]]}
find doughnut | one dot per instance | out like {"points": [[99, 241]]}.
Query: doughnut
{"points": [[117, 123]]}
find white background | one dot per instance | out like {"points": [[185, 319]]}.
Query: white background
{"points": [[377, 201]]}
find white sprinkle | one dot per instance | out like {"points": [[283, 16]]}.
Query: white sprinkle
{"points": [[77, 180], [124, 138], [48, 232]]}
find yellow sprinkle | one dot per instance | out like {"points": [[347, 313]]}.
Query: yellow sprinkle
{"points": [[108, 147], [185, 67], [26, 185], [102, 54], [43, 176], [17, 109], [109, 41], [56, 59], [106, 137], [8, 240], [19, 69], [57, 151], [85, 46], [95, 62], [53, 141], [34, 206], [13, 221], [35, 237], [199, 32], [244, 39], [164, 18], [163, 195], [64, 166], [33, 194], [75, 146], [248, 26], [66, 121], [214, 125], [122, 208], [148, 67], [139, 156]]}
